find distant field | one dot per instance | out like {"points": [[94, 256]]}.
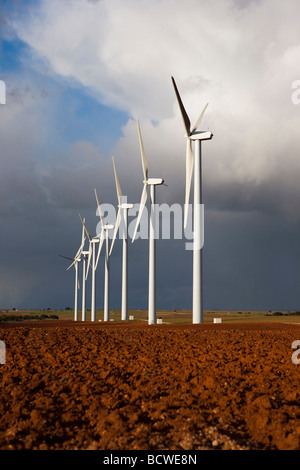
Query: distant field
{"points": [[164, 316]]}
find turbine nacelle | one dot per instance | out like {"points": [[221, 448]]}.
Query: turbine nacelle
{"points": [[200, 135], [153, 181], [126, 206], [105, 228], [108, 227]]}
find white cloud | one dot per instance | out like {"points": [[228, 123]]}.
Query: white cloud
{"points": [[127, 51], [240, 56]]}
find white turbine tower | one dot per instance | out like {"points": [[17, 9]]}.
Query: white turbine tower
{"points": [[84, 272], [152, 182], [75, 261], [193, 135], [104, 231], [92, 254], [122, 213]]}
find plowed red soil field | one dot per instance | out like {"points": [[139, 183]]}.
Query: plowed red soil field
{"points": [[130, 386]]}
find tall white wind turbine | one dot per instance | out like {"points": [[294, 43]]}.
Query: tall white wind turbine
{"points": [[152, 183], [123, 207], [92, 254], [197, 136], [104, 234], [75, 261]]}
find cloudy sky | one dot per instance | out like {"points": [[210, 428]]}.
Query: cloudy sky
{"points": [[79, 73]]}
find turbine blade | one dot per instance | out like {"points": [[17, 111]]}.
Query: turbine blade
{"points": [[82, 235], [99, 208], [142, 205], [118, 187], [118, 220], [143, 155], [186, 120], [197, 123], [99, 250], [78, 254], [71, 259], [83, 223], [66, 257], [88, 261], [188, 177], [72, 264]]}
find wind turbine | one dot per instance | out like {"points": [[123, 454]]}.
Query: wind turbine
{"points": [[75, 261], [104, 230], [197, 136], [92, 254], [152, 182], [122, 213]]}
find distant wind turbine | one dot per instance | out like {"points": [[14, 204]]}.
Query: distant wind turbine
{"points": [[193, 135], [152, 182], [92, 254], [75, 261], [77, 286], [122, 213], [104, 231]]}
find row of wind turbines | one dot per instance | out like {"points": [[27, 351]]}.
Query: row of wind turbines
{"points": [[90, 257]]}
